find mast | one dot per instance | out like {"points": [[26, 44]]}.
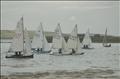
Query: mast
{"points": [[105, 39], [60, 35], [42, 34], [77, 36], [22, 31], [106, 35], [72, 41]]}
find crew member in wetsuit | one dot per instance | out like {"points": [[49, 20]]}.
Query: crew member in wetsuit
{"points": [[19, 53], [73, 51], [60, 51], [86, 46], [16, 53], [38, 49], [41, 49]]}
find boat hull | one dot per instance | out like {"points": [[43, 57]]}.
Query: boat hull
{"points": [[87, 48], [68, 54], [75, 54], [20, 56], [107, 46], [41, 52]]}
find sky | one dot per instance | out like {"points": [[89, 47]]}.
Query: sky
{"points": [[95, 15]]}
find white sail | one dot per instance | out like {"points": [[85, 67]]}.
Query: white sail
{"points": [[64, 45], [12, 45], [78, 50], [72, 41], [87, 39], [105, 38], [57, 39], [21, 45], [38, 38], [18, 40], [46, 46], [27, 47]]}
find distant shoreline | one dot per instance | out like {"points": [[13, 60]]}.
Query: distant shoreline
{"points": [[96, 38]]}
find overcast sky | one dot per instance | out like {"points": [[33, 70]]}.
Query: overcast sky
{"points": [[95, 15]]}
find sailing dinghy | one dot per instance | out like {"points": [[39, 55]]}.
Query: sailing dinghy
{"points": [[58, 43], [73, 44], [87, 41], [105, 44], [21, 45], [39, 43]]}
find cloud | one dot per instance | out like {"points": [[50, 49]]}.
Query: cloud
{"points": [[72, 18]]}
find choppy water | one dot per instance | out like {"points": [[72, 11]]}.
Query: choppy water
{"points": [[100, 58]]}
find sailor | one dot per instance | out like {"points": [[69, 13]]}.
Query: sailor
{"points": [[60, 51], [41, 49], [38, 49], [86, 46], [19, 53], [73, 51], [16, 53]]}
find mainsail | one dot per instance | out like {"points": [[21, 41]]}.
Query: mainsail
{"points": [[36, 42], [58, 39], [78, 49], [105, 38], [39, 40], [73, 39], [12, 45], [27, 47], [18, 40], [87, 39], [46, 46]]}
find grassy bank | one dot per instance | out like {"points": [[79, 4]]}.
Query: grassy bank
{"points": [[97, 38]]}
